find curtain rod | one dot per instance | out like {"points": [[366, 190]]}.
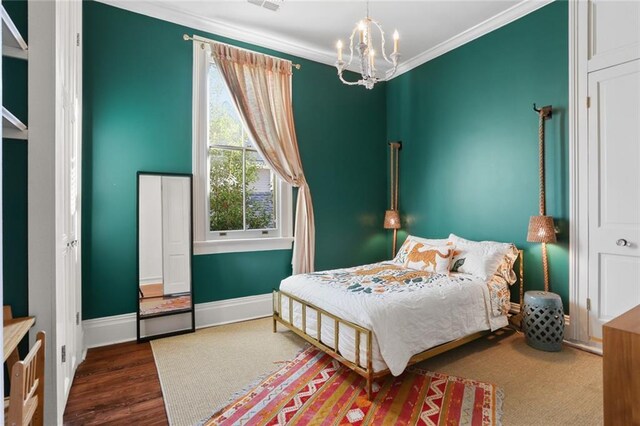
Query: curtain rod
{"points": [[187, 37]]}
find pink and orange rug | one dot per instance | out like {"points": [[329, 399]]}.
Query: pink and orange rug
{"points": [[160, 305], [314, 389]]}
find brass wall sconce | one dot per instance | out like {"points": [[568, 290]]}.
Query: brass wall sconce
{"points": [[392, 216]]}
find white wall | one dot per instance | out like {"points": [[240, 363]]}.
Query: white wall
{"points": [[150, 211]]}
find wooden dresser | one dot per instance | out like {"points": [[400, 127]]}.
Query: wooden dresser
{"points": [[621, 369]]}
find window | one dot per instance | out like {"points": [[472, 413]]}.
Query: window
{"points": [[246, 206]]}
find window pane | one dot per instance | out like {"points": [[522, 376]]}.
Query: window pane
{"points": [[225, 191], [260, 193], [225, 127], [242, 192]]}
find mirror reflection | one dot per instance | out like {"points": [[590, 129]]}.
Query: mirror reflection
{"points": [[164, 244]]}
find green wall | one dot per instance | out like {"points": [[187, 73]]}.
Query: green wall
{"points": [[468, 166], [14, 176], [469, 163], [137, 116]]}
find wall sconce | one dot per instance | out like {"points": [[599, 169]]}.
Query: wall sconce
{"points": [[392, 216]]}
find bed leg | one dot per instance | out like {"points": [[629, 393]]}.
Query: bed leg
{"points": [[275, 324], [369, 387]]}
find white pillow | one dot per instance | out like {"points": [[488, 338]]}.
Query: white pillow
{"points": [[401, 256], [431, 242], [479, 258]]}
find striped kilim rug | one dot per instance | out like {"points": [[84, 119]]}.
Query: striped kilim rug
{"points": [[315, 389]]}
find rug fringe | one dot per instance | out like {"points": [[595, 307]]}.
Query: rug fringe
{"points": [[248, 388]]}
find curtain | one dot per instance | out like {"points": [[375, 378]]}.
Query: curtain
{"points": [[260, 86]]}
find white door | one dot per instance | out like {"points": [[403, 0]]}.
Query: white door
{"points": [[68, 164], [176, 214], [614, 193]]}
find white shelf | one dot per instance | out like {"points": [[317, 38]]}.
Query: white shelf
{"points": [[13, 44], [12, 128]]}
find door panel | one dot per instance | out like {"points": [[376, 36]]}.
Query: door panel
{"points": [[619, 293], [619, 149], [614, 193], [614, 35]]}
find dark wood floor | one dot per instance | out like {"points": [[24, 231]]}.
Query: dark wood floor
{"points": [[117, 384]]}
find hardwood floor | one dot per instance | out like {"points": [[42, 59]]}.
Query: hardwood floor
{"points": [[152, 290], [117, 384]]}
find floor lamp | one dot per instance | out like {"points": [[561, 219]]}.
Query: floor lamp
{"points": [[391, 216], [541, 227], [543, 313]]}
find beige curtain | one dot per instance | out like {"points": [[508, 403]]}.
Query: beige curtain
{"points": [[261, 89]]}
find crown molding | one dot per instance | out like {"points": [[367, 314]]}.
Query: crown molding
{"points": [[281, 44], [293, 47], [501, 19]]}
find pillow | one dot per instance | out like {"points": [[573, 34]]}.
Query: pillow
{"points": [[483, 258], [505, 269], [428, 258], [401, 256]]}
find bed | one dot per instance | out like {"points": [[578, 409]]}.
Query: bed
{"points": [[379, 318]]}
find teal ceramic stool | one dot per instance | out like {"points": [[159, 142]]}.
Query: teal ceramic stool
{"points": [[543, 320]]}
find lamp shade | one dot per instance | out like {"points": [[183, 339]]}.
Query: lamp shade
{"points": [[541, 230], [391, 219]]}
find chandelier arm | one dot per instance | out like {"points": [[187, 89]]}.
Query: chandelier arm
{"points": [[350, 83], [382, 41], [341, 65], [353, 33], [392, 71]]}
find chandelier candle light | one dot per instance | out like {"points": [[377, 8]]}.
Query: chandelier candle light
{"points": [[363, 45]]}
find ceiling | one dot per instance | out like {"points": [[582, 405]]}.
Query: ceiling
{"points": [[310, 29]]}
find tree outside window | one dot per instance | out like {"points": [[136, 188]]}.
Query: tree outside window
{"points": [[242, 192]]}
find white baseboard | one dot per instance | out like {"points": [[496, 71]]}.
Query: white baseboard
{"points": [[151, 280], [109, 330], [594, 349], [122, 328]]}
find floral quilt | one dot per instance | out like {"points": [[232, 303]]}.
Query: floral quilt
{"points": [[380, 279]]}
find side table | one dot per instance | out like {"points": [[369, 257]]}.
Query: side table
{"points": [[543, 320]]}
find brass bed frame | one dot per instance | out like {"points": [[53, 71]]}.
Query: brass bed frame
{"points": [[367, 371]]}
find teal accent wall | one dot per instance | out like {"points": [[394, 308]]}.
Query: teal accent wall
{"points": [[469, 163], [137, 116], [14, 176]]}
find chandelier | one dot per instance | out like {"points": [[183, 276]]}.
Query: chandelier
{"points": [[362, 42]]}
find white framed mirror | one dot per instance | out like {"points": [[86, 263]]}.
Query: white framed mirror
{"points": [[165, 251]]}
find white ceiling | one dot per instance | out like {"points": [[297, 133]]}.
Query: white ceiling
{"points": [[311, 29]]}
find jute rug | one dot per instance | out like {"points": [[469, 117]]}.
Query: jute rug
{"points": [[314, 388], [201, 372]]}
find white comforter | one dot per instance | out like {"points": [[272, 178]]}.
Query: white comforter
{"points": [[408, 311]]}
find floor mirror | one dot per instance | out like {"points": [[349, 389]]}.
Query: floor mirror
{"points": [[165, 245]]}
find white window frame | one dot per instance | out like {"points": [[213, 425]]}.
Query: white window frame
{"points": [[205, 241]]}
